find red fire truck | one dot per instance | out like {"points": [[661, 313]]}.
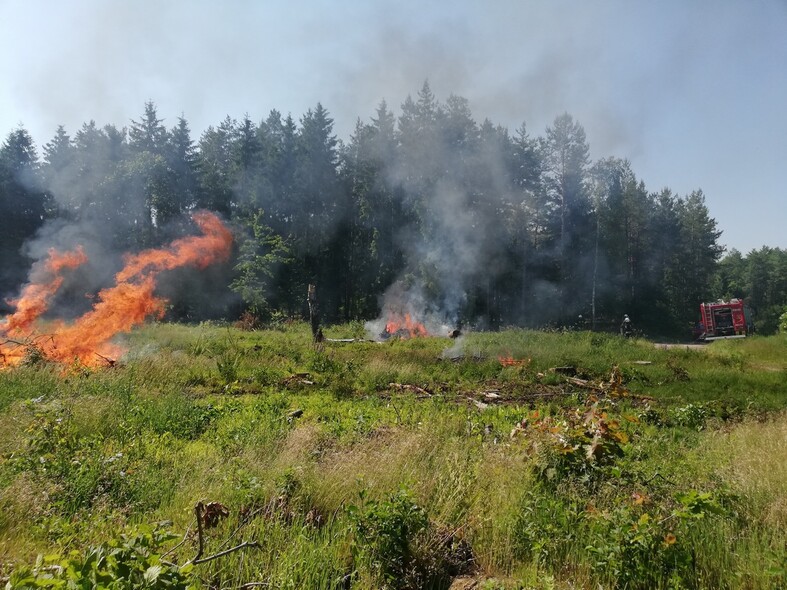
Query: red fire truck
{"points": [[723, 319]]}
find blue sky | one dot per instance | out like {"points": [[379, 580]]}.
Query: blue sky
{"points": [[694, 94]]}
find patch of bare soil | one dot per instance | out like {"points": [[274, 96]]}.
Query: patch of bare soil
{"points": [[669, 346]]}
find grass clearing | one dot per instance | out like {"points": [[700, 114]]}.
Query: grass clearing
{"points": [[585, 461]]}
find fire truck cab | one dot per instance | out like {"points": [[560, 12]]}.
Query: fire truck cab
{"points": [[723, 319]]}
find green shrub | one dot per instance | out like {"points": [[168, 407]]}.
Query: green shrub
{"points": [[129, 561], [384, 536], [577, 444]]}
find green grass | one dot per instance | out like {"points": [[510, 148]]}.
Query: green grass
{"points": [[370, 465]]}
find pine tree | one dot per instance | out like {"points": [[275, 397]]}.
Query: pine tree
{"points": [[566, 165], [182, 161], [22, 205]]}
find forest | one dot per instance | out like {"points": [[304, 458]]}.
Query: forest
{"points": [[471, 223]]}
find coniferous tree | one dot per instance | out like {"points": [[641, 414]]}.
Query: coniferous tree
{"points": [[321, 210], [59, 172], [151, 178], [566, 163], [215, 165], [528, 215], [182, 161], [22, 205], [690, 279], [248, 165]]}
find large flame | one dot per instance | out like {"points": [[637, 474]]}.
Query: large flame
{"points": [[88, 340], [35, 297]]}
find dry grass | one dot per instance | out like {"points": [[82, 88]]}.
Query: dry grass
{"points": [[753, 461]]}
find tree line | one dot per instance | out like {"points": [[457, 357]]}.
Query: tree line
{"points": [[487, 226]]}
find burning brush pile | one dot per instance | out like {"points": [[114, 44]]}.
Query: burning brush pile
{"points": [[88, 341], [406, 314], [403, 327]]}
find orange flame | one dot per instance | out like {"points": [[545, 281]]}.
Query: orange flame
{"points": [[36, 296], [510, 361], [407, 326], [119, 308], [201, 251]]}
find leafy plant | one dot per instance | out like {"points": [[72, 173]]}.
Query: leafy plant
{"points": [[130, 561], [576, 444], [691, 416], [384, 534], [636, 549]]}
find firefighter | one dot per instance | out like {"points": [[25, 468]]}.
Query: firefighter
{"points": [[626, 328]]}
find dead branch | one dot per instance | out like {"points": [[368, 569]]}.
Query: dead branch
{"points": [[478, 404], [298, 378], [199, 512], [200, 533], [246, 520], [408, 387], [654, 476], [110, 362], [398, 415], [243, 545], [176, 547], [585, 384]]}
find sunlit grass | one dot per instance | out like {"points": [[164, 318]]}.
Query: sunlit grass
{"points": [[269, 424]]}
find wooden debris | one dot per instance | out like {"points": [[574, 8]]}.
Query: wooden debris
{"points": [[584, 383], [478, 404], [408, 387], [298, 379]]}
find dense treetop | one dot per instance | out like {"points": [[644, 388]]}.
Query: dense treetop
{"points": [[480, 225]]}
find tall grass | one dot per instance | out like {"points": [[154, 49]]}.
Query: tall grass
{"points": [[330, 456]]}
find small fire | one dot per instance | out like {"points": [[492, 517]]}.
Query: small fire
{"points": [[510, 361], [128, 303], [397, 326]]}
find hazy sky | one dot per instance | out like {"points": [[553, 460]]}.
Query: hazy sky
{"points": [[693, 93]]}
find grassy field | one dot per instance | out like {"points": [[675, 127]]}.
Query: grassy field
{"points": [[516, 459]]}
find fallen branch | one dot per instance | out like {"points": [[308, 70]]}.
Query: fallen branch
{"points": [[176, 547], [110, 362], [408, 387], [243, 545], [299, 378], [478, 404], [654, 476], [585, 384]]}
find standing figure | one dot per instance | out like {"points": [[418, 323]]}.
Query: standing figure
{"points": [[626, 329]]}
